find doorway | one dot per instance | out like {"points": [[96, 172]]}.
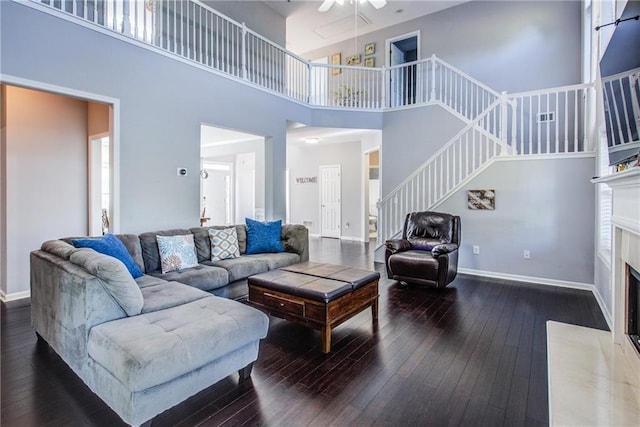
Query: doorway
{"points": [[216, 193], [403, 79], [330, 201], [372, 193], [100, 185]]}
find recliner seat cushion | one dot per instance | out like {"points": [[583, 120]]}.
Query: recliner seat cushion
{"points": [[153, 348], [414, 263]]}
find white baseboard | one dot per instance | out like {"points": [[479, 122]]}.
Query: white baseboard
{"points": [[14, 296], [603, 308], [529, 279], [351, 239]]}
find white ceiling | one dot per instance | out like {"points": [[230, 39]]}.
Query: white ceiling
{"points": [[308, 29]]}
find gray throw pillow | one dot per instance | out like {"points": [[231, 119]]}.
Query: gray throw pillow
{"points": [[113, 273]]}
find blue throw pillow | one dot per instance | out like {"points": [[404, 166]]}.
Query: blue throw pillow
{"points": [[112, 246], [263, 237]]}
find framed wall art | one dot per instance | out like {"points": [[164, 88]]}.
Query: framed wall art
{"points": [[353, 60], [370, 62], [481, 199], [370, 49], [336, 59]]}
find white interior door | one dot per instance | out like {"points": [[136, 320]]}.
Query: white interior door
{"points": [[330, 201], [99, 185], [216, 193]]}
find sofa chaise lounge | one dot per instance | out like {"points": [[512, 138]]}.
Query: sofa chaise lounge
{"points": [[144, 345]]}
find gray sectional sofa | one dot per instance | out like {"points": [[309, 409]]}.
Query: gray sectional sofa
{"points": [[144, 345]]}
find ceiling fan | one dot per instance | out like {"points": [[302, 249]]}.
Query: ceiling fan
{"points": [[326, 5]]}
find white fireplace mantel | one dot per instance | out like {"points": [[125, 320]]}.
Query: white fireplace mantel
{"points": [[625, 248], [626, 198]]}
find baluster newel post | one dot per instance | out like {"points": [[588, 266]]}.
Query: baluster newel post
{"points": [[503, 123], [432, 96], [243, 65], [126, 21], [310, 84], [385, 87]]}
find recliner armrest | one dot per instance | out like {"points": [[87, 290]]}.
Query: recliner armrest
{"points": [[443, 248], [397, 245]]}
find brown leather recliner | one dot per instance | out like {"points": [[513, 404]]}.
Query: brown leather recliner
{"points": [[427, 254]]}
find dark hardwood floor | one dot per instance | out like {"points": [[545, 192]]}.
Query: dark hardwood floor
{"points": [[473, 354]]}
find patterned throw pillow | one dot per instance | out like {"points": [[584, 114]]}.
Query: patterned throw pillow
{"points": [[224, 244], [176, 252]]}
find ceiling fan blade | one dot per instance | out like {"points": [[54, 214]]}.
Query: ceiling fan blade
{"points": [[326, 5], [378, 4]]}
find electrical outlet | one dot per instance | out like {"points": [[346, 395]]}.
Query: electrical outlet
{"points": [[476, 250], [527, 254]]}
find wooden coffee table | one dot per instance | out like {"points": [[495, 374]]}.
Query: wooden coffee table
{"points": [[321, 296]]}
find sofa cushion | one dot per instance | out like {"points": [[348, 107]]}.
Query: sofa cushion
{"points": [[59, 248], [279, 260], [153, 348], [163, 294], [148, 280], [224, 244], [203, 277], [115, 276], [112, 246], [263, 237], [242, 267], [149, 246], [132, 243], [176, 252]]}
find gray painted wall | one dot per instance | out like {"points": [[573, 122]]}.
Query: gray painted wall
{"points": [[304, 161], [410, 137], [508, 45], [163, 102], [544, 206]]}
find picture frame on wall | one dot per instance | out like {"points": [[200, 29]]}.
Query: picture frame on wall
{"points": [[481, 199], [353, 60], [370, 62], [370, 49], [336, 59]]}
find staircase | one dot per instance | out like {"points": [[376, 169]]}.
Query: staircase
{"points": [[549, 122]]}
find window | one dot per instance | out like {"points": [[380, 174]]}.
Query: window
{"points": [[604, 196]]}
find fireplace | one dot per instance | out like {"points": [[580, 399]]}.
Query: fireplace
{"points": [[625, 258], [633, 306]]}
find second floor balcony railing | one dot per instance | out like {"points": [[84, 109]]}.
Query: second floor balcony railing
{"points": [[196, 32]]}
